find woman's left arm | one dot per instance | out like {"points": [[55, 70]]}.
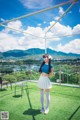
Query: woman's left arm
{"points": [[51, 73]]}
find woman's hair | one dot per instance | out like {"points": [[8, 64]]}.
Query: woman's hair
{"points": [[44, 63]]}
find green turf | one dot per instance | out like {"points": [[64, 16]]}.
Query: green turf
{"points": [[64, 105]]}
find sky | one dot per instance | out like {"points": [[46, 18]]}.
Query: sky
{"points": [[37, 25]]}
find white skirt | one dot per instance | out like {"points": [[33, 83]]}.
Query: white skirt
{"points": [[44, 82]]}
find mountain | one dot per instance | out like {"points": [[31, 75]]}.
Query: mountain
{"points": [[16, 53], [34, 52]]}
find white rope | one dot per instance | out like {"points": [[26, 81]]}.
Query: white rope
{"points": [[40, 11], [60, 17], [63, 36], [21, 31], [1, 24], [58, 21]]}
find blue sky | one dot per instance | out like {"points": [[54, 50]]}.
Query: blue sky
{"points": [[39, 24]]}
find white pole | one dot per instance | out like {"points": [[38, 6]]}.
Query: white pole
{"points": [[56, 22], [45, 44], [60, 17], [37, 12]]}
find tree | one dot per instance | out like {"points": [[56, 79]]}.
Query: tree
{"points": [[10, 78]]}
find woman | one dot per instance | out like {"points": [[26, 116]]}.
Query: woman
{"points": [[44, 83]]}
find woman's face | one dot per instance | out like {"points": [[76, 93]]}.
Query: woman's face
{"points": [[46, 59]]}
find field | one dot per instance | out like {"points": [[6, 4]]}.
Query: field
{"points": [[64, 105]]}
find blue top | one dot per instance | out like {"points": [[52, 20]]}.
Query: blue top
{"points": [[45, 68]]}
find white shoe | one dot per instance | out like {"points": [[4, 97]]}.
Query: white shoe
{"points": [[46, 110], [42, 110]]}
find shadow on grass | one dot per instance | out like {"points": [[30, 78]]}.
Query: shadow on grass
{"points": [[33, 112], [74, 113], [3, 89], [17, 96], [30, 111]]}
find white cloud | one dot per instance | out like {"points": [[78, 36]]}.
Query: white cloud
{"points": [[3, 20], [38, 25], [14, 24], [9, 41], [31, 42], [38, 31], [71, 47], [50, 47], [56, 18], [61, 11], [60, 29], [49, 38], [44, 22], [36, 4], [76, 29]]}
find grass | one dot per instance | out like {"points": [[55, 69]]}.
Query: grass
{"points": [[64, 105]]}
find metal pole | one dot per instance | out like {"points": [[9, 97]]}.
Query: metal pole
{"points": [[37, 12], [58, 21], [60, 17], [45, 44], [60, 75]]}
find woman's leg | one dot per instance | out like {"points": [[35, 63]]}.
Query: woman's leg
{"points": [[47, 100], [42, 99]]}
